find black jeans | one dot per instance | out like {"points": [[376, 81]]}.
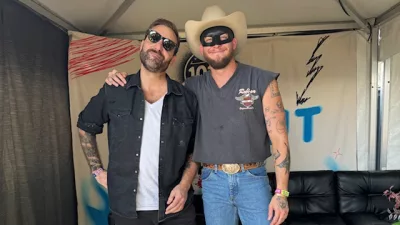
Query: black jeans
{"points": [[186, 217]]}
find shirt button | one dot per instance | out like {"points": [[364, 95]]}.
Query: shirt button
{"points": [[139, 137], [135, 171], [137, 154], [141, 118], [134, 190], [162, 123], [162, 142]]}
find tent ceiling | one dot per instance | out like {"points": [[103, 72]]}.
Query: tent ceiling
{"points": [[90, 16]]}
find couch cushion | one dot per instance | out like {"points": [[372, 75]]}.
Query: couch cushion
{"points": [[362, 191], [310, 192], [315, 219], [363, 219]]}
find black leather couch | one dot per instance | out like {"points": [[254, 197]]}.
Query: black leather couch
{"points": [[335, 198]]}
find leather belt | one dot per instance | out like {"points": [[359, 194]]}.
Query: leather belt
{"points": [[233, 168]]}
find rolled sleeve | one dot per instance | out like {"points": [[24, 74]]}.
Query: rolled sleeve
{"points": [[93, 117]]}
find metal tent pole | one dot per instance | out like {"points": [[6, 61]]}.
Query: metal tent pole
{"points": [[265, 30]]}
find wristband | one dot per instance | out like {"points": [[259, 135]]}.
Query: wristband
{"points": [[282, 192], [97, 172]]}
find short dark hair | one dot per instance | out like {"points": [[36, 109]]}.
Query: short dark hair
{"points": [[169, 24]]}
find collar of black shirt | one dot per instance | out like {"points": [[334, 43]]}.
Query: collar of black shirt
{"points": [[133, 80]]}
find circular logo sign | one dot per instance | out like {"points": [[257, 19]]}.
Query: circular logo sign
{"points": [[194, 67]]}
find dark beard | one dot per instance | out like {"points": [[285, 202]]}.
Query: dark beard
{"points": [[153, 65], [219, 64]]}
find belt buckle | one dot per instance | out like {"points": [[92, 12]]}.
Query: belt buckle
{"points": [[230, 168]]}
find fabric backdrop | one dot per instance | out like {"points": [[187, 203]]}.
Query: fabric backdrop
{"points": [[318, 83], [36, 166]]}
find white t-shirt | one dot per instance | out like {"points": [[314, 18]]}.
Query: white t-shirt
{"points": [[147, 193]]}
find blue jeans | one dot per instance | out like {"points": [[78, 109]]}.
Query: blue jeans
{"points": [[245, 195]]}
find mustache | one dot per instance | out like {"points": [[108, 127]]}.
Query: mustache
{"points": [[157, 52]]}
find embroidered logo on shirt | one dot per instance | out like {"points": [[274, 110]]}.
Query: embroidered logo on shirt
{"points": [[247, 98]]}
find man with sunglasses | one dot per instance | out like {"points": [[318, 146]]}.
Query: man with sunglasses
{"points": [[151, 129]]}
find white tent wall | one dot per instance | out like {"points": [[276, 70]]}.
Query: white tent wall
{"points": [[389, 56], [393, 131], [390, 36], [363, 102]]}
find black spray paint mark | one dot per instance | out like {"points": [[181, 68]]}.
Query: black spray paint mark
{"points": [[314, 71]]}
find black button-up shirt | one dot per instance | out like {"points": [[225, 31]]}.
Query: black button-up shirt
{"points": [[122, 108]]}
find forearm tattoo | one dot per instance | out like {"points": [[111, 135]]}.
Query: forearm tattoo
{"points": [[274, 90], [276, 155], [276, 122], [271, 118], [89, 147], [285, 164], [188, 161]]}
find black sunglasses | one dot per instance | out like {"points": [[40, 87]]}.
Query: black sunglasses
{"points": [[155, 37]]}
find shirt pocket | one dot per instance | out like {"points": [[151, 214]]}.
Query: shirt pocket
{"points": [[182, 131], [120, 113], [118, 132], [182, 122]]}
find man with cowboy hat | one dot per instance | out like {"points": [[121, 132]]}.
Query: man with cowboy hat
{"points": [[240, 110]]}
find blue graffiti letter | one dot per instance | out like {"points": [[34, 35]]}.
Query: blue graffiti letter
{"points": [[308, 114], [287, 120]]}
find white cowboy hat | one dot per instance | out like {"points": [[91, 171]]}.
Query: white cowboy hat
{"points": [[215, 16]]}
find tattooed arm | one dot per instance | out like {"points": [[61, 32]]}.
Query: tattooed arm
{"points": [[90, 123], [89, 147], [178, 196], [274, 113], [275, 120], [189, 173]]}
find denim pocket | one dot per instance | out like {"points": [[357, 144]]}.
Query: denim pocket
{"points": [[260, 172], [205, 173]]}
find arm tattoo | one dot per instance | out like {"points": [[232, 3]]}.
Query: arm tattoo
{"points": [[267, 119], [282, 202], [189, 172], [188, 162], [281, 126], [271, 115], [279, 106], [89, 147], [285, 164], [276, 155], [274, 90]]}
